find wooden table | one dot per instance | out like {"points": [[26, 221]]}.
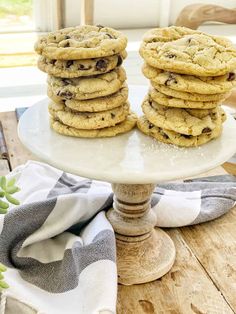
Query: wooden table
{"points": [[203, 278]]}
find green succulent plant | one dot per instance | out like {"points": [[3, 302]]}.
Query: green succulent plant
{"points": [[7, 189], [3, 284]]}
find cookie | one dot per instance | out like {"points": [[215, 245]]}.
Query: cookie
{"points": [[179, 120], [81, 42], [96, 104], [189, 96], [88, 120], [54, 97], [187, 51], [222, 114], [83, 67], [88, 87], [123, 127], [190, 83], [172, 137], [170, 101], [199, 113]]}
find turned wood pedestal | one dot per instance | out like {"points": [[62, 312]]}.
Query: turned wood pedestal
{"points": [[144, 252]]}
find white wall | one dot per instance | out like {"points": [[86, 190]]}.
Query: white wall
{"points": [[116, 13], [135, 13], [121, 13]]}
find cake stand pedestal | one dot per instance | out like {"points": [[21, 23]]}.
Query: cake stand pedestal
{"points": [[133, 163], [144, 253]]}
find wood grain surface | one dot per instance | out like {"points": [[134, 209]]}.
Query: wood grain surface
{"points": [[194, 15], [187, 288], [17, 152], [203, 278]]}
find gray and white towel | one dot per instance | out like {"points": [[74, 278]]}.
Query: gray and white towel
{"points": [[60, 248]]}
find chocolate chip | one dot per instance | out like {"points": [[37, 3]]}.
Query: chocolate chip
{"points": [[101, 65], [170, 55], [53, 61], [103, 119], [150, 126], [231, 76], [67, 37], [69, 63], [109, 35], [66, 82], [163, 133], [206, 130], [165, 136], [113, 115], [119, 61], [54, 37], [66, 95], [189, 40], [186, 136], [171, 80], [81, 67], [213, 115]]}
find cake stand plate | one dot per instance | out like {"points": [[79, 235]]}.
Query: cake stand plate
{"points": [[133, 163]]}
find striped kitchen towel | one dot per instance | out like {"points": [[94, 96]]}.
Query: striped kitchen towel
{"points": [[60, 248]]}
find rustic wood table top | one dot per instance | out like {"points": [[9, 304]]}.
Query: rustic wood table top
{"points": [[203, 278]]}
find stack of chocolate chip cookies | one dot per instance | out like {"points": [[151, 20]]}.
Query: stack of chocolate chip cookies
{"points": [[191, 73], [86, 83]]}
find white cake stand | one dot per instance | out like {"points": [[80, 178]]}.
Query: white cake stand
{"points": [[133, 163]]}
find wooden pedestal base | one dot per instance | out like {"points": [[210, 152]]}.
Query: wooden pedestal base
{"points": [[144, 253], [144, 261]]}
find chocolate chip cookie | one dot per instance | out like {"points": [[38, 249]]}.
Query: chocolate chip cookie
{"points": [[171, 101], [180, 120], [88, 87], [199, 113], [189, 83], [172, 137], [81, 42], [89, 120], [187, 51], [96, 104], [123, 127], [83, 67], [189, 96]]}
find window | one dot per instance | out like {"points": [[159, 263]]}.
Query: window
{"points": [[16, 15]]}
